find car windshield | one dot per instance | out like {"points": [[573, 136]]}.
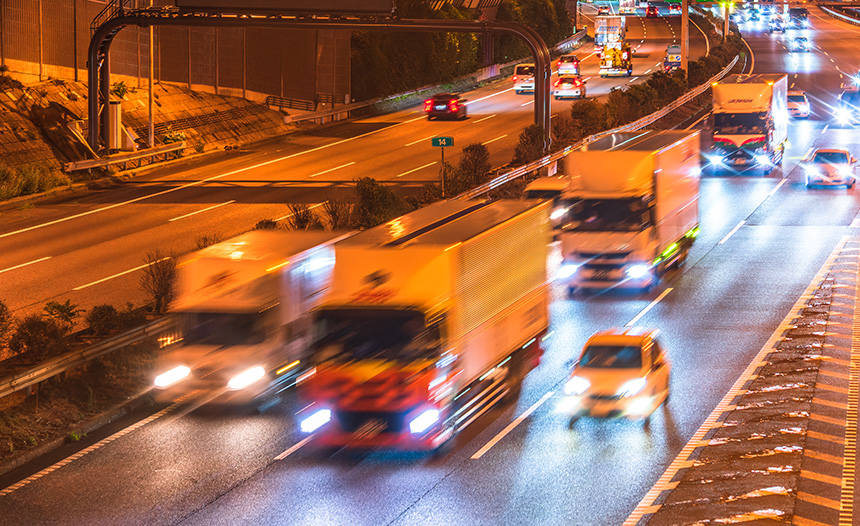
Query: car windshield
{"points": [[796, 98], [611, 357], [830, 158], [567, 80], [567, 60], [800, 40], [374, 334], [443, 99], [220, 328], [851, 98], [606, 215], [526, 70], [740, 123]]}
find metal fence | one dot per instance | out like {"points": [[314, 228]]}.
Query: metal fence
{"points": [[164, 329], [633, 126]]}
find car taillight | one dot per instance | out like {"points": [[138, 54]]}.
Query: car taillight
{"points": [[557, 83], [515, 78], [624, 56], [452, 105], [428, 104]]}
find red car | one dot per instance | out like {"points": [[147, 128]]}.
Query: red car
{"points": [[652, 12], [446, 106]]}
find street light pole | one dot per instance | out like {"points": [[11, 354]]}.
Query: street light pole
{"points": [[685, 34]]}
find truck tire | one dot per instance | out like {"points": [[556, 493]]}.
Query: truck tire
{"points": [[514, 380]]}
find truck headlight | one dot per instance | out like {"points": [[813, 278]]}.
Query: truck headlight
{"points": [[172, 376], [246, 378], [632, 388], [576, 386], [558, 213], [843, 114], [567, 270], [716, 160], [637, 271], [423, 421], [763, 160], [315, 421]]}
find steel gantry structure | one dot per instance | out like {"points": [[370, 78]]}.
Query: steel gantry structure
{"points": [[98, 62]]}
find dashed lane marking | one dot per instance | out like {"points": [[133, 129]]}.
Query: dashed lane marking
{"points": [[827, 419], [415, 169], [828, 403], [821, 501], [820, 477], [825, 436], [510, 427], [25, 264], [494, 140], [737, 389], [213, 207], [118, 274]]}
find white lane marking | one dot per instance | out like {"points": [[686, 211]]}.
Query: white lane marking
{"points": [[200, 211], [20, 484], [825, 128], [295, 447], [291, 214], [485, 118], [332, 169], [646, 505], [491, 95], [135, 269], [202, 181], [775, 188], [494, 140], [510, 427], [416, 169], [527, 103], [24, 264], [735, 229], [855, 223], [647, 71], [649, 307], [634, 78], [809, 151], [420, 140]]}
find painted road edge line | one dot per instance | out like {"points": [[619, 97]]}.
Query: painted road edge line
{"points": [[510, 427], [649, 307], [103, 442], [292, 449], [663, 483], [730, 234]]}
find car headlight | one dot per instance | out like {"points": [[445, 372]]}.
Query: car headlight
{"points": [[315, 421], [576, 386], [632, 388], [172, 376], [558, 213], [843, 114], [812, 170], [423, 421], [716, 160], [637, 271], [567, 270], [762, 159], [844, 171], [246, 378]]}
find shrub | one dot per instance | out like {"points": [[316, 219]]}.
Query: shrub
{"points": [[29, 179], [472, 170], [119, 89], [588, 116], [530, 146], [38, 338], [129, 318], [303, 218], [376, 203], [159, 279], [103, 319], [338, 213], [266, 224], [64, 314], [5, 323], [207, 239]]}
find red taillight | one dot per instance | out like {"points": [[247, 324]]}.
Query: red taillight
{"points": [[624, 56], [452, 105], [557, 83], [428, 104], [515, 78]]}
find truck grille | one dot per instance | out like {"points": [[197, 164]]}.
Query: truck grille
{"points": [[604, 397], [352, 421], [610, 256]]}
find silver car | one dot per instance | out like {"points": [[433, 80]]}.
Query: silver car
{"points": [[569, 88]]}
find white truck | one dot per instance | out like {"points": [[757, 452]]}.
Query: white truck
{"points": [[243, 309], [631, 212], [750, 122], [432, 319], [627, 7], [609, 29]]}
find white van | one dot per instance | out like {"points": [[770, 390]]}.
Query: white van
{"points": [[524, 78]]}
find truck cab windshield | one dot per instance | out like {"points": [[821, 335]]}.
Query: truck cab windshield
{"points": [[740, 123], [224, 328], [606, 215], [374, 334]]}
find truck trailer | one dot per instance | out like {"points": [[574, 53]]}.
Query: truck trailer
{"points": [[750, 122], [432, 319], [609, 29], [631, 210], [243, 307]]}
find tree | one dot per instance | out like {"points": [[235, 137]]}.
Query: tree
{"points": [[530, 146], [159, 279], [64, 314], [376, 203], [38, 338], [470, 172], [588, 117], [303, 218]]}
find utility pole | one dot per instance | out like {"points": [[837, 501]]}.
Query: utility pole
{"points": [[726, 7], [151, 141]]}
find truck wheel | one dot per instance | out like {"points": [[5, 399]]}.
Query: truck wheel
{"points": [[514, 379]]}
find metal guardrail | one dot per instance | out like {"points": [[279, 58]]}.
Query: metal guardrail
{"points": [[70, 360], [87, 164], [837, 14], [633, 126]]}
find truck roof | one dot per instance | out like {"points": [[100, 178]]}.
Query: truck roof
{"points": [[444, 223], [758, 78], [264, 245], [749, 93], [642, 141]]}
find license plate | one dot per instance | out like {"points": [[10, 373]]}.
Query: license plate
{"points": [[439, 107]]}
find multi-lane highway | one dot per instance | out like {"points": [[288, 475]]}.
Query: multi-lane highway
{"points": [[762, 241]]}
